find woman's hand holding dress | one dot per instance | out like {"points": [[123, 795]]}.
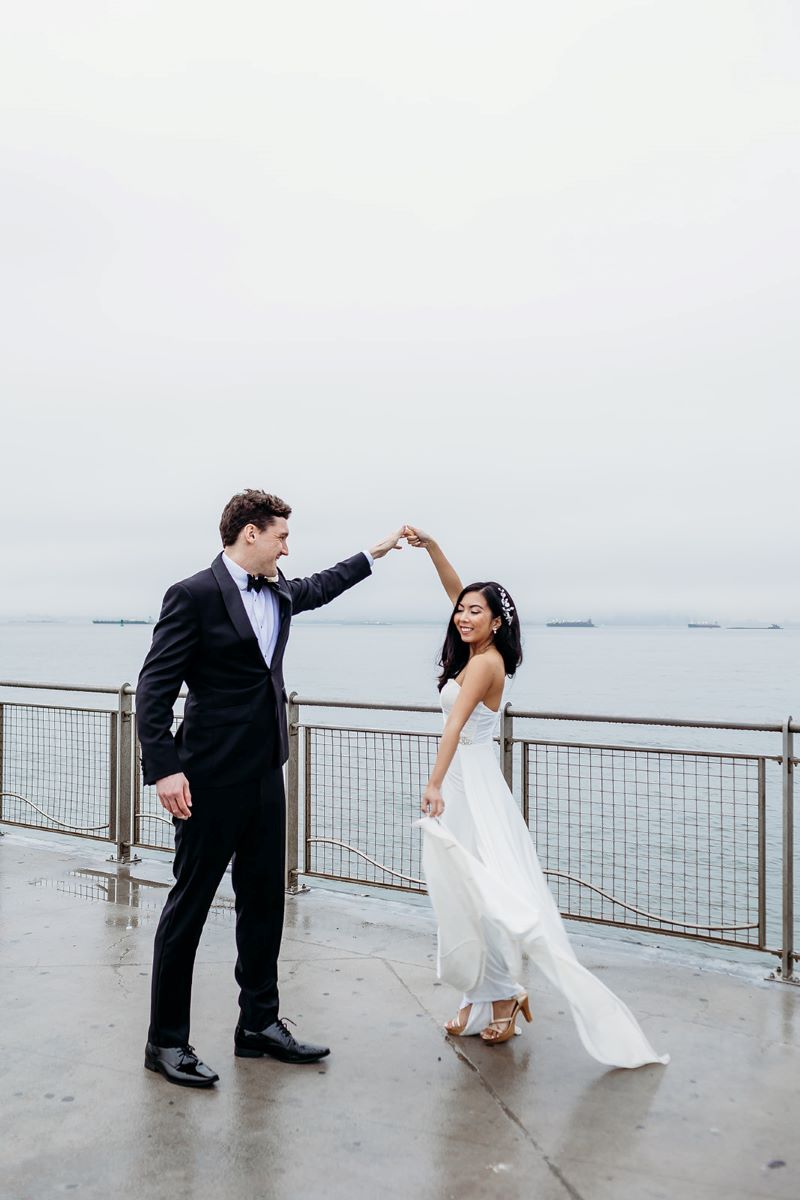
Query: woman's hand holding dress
{"points": [[432, 803]]}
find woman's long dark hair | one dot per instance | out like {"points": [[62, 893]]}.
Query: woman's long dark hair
{"points": [[508, 640]]}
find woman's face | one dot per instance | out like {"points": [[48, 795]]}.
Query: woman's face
{"points": [[474, 620]]}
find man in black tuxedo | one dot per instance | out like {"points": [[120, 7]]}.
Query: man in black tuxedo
{"points": [[224, 632]]}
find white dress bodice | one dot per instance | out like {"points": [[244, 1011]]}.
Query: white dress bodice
{"points": [[481, 728]]}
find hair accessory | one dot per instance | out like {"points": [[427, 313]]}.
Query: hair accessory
{"points": [[506, 605]]}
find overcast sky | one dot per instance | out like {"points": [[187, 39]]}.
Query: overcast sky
{"points": [[524, 273]]}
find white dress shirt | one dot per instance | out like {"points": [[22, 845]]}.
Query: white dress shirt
{"points": [[262, 607]]}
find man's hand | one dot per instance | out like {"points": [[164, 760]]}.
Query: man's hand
{"points": [[392, 542], [173, 792]]}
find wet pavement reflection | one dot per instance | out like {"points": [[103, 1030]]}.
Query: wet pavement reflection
{"points": [[123, 889]]}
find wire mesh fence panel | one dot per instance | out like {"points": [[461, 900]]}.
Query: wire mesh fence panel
{"points": [[362, 795], [57, 768], [650, 839], [152, 825]]}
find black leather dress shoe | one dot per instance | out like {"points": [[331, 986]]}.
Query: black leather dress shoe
{"points": [[179, 1064], [277, 1042]]}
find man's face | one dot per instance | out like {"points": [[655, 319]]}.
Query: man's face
{"points": [[268, 545]]}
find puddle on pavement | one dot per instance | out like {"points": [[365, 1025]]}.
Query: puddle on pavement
{"points": [[144, 898]]}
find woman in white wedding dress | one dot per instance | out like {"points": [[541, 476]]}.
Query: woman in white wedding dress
{"points": [[485, 882]]}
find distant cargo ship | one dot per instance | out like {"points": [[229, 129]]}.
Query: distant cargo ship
{"points": [[572, 624], [755, 627], [704, 625], [122, 621]]}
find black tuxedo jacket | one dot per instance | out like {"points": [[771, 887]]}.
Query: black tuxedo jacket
{"points": [[234, 724]]}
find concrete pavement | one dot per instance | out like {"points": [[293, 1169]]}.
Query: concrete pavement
{"points": [[397, 1110]]}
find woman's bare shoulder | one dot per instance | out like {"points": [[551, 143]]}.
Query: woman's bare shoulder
{"points": [[488, 666]]}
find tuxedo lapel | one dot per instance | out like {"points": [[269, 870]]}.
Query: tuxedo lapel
{"points": [[285, 607], [233, 602]]}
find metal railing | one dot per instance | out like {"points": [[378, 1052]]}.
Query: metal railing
{"points": [[680, 840]]}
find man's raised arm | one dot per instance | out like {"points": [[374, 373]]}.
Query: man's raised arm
{"points": [[324, 586]]}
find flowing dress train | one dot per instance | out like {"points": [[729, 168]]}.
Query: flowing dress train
{"points": [[492, 903]]}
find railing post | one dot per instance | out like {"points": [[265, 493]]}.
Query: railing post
{"points": [[113, 779], [124, 775], [137, 783], [526, 785], [762, 853], [2, 714], [507, 745], [293, 885], [308, 820], [787, 940]]}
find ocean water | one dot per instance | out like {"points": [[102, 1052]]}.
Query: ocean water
{"points": [[732, 675]]}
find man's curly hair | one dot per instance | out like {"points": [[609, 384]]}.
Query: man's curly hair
{"points": [[250, 507]]}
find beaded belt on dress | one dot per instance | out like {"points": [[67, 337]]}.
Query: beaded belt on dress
{"points": [[465, 741]]}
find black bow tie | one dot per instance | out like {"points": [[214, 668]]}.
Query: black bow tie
{"points": [[256, 582]]}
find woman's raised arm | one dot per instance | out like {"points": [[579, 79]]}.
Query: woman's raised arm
{"points": [[446, 571]]}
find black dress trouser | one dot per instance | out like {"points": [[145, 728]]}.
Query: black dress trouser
{"points": [[245, 822]]}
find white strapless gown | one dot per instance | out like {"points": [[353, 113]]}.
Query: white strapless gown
{"points": [[492, 903]]}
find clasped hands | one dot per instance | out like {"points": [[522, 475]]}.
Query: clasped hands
{"points": [[415, 537]]}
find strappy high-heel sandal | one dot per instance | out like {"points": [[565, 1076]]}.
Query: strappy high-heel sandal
{"points": [[503, 1028], [456, 1027]]}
